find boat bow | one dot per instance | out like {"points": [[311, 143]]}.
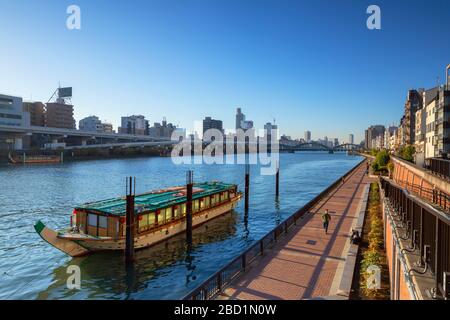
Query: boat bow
{"points": [[70, 247]]}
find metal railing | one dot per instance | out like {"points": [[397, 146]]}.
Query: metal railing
{"points": [[439, 167], [434, 196], [215, 284], [426, 228]]}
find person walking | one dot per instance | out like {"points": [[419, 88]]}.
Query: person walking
{"points": [[326, 217]]}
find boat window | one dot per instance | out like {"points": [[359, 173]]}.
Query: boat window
{"points": [[217, 198], [177, 211], [151, 219], [92, 220], [225, 195], [202, 203], [102, 222], [207, 200], [143, 222], [162, 216], [183, 207], [168, 214], [213, 200], [196, 205]]}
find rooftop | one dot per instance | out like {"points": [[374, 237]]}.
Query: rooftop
{"points": [[155, 200]]}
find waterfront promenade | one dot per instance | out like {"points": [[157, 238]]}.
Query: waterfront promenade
{"points": [[307, 263]]}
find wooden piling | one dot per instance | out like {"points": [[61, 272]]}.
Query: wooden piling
{"points": [[277, 180], [130, 222], [247, 186], [189, 189]]}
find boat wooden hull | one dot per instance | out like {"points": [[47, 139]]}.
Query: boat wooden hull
{"points": [[84, 245], [34, 159], [72, 248]]}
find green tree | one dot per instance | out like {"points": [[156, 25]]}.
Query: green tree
{"points": [[382, 158], [374, 152], [407, 153]]}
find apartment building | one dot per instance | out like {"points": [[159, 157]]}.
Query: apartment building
{"points": [[93, 123], [59, 115], [36, 113], [372, 134]]}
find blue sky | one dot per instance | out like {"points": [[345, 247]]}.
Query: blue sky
{"points": [[312, 65]]}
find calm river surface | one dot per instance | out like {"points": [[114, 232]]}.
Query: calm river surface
{"points": [[32, 269]]}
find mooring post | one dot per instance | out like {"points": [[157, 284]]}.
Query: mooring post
{"points": [[24, 158], [277, 180], [189, 189], [62, 156], [130, 222], [247, 186]]}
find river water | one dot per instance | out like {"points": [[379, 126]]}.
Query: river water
{"points": [[32, 269]]}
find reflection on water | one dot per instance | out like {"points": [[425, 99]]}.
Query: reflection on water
{"points": [[124, 280], [30, 268]]}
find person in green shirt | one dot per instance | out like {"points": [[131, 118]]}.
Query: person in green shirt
{"points": [[326, 217]]}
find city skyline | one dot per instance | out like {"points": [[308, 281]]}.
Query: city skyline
{"points": [[187, 61]]}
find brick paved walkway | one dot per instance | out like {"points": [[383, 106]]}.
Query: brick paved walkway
{"points": [[307, 263]]}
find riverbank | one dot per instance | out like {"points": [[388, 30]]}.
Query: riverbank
{"points": [[94, 154]]}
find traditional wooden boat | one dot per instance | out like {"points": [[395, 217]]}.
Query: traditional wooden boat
{"points": [[24, 159], [159, 215]]}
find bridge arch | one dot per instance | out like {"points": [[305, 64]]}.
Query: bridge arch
{"points": [[301, 146], [347, 146]]}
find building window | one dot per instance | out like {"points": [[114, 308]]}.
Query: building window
{"points": [[10, 116], [6, 102]]}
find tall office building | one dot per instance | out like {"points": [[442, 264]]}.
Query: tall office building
{"points": [[307, 136], [371, 135], [413, 103], [135, 124], [162, 130], [351, 138], [335, 142], [239, 118], [210, 123], [245, 125]]}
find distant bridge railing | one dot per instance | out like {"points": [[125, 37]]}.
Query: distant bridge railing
{"points": [[317, 145], [215, 284]]}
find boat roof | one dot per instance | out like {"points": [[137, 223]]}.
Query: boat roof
{"points": [[155, 200]]}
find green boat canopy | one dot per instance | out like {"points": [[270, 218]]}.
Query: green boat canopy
{"points": [[155, 200]]}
